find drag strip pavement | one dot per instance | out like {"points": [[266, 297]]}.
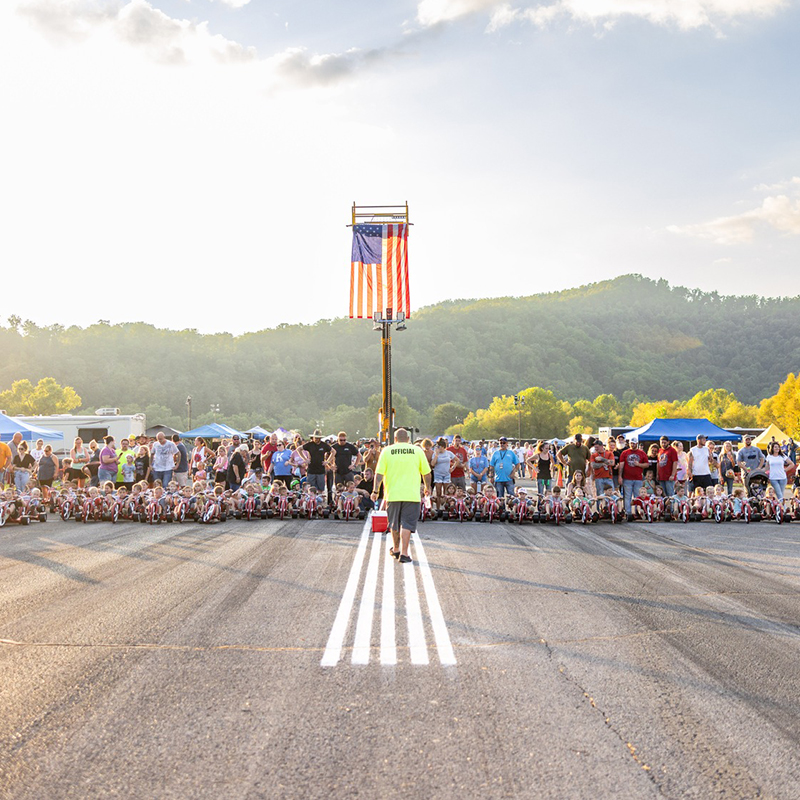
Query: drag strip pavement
{"points": [[364, 628], [294, 659]]}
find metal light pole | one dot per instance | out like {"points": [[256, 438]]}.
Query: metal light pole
{"points": [[384, 325], [393, 222], [189, 406], [215, 410]]}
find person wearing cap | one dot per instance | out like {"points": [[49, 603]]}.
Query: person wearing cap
{"points": [[667, 468], [318, 451], [478, 467], [504, 468], [574, 455], [632, 463], [371, 453], [343, 459], [750, 457], [124, 451], [267, 451], [699, 472], [165, 456], [237, 467], [601, 463], [457, 473]]}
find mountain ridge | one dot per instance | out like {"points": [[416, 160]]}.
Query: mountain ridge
{"points": [[629, 335]]}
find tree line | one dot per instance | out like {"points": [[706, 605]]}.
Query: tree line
{"points": [[625, 342]]}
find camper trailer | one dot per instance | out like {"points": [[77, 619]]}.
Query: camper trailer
{"points": [[88, 427]]}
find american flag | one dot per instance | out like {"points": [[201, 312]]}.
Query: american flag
{"points": [[379, 270]]}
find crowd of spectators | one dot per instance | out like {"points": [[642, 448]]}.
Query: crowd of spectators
{"points": [[592, 464]]}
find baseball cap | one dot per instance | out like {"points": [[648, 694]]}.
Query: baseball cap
{"points": [[502, 439]]}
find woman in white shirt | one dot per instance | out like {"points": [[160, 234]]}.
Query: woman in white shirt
{"points": [[776, 469], [38, 451]]}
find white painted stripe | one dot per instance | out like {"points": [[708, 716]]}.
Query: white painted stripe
{"points": [[333, 650], [416, 633], [446, 655], [366, 611], [388, 634]]}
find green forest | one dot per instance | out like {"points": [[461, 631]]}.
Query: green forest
{"points": [[638, 340]]}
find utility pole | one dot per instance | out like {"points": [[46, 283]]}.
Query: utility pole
{"points": [[189, 406]]}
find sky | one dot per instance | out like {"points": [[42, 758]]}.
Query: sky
{"points": [[193, 163]]}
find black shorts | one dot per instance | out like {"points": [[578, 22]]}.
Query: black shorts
{"points": [[402, 514], [703, 481]]}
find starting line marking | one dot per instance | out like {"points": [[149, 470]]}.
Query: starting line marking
{"points": [[333, 650], [369, 601]]}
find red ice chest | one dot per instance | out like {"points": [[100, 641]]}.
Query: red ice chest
{"points": [[380, 521]]}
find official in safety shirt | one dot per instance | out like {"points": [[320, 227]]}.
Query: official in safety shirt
{"points": [[400, 468]]}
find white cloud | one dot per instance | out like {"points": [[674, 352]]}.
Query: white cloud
{"points": [[307, 69], [782, 186], [433, 12], [166, 40], [685, 14], [779, 212], [235, 3], [137, 23]]}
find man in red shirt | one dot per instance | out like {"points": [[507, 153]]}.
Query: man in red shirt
{"points": [[457, 476], [632, 462], [601, 462], [667, 466], [267, 450]]}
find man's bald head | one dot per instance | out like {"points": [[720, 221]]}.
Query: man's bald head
{"points": [[401, 435]]}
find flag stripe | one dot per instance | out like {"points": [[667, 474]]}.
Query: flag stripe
{"points": [[405, 269], [387, 260], [379, 303], [399, 267], [369, 291], [360, 291]]}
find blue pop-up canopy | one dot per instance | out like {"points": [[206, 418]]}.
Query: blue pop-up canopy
{"points": [[258, 432], [683, 430], [214, 430], [9, 426]]}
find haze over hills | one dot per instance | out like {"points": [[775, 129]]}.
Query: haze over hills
{"points": [[630, 336]]}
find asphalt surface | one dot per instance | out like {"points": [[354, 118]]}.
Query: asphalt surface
{"points": [[628, 661]]}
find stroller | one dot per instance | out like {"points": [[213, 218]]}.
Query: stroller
{"points": [[756, 483]]}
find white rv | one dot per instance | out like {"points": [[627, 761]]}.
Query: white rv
{"points": [[88, 427]]}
